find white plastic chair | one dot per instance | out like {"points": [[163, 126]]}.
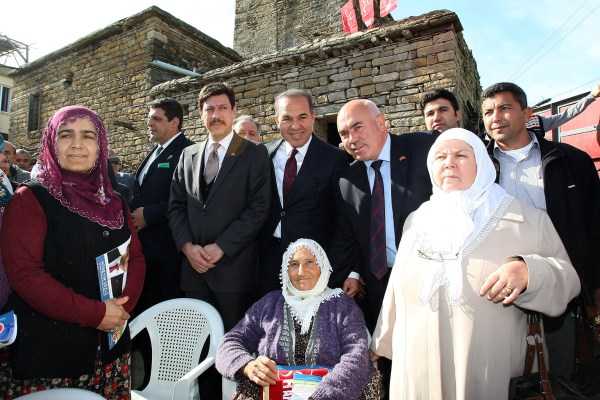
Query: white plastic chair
{"points": [[178, 329], [62, 394]]}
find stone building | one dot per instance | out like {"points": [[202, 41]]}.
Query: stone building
{"points": [[112, 71], [392, 65]]}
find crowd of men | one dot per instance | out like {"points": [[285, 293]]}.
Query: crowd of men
{"points": [[215, 217]]}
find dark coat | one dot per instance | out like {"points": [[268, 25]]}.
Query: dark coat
{"points": [[153, 195], [572, 191], [410, 185], [309, 209], [231, 216]]}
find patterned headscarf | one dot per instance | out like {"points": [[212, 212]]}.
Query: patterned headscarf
{"points": [[90, 194], [304, 304]]}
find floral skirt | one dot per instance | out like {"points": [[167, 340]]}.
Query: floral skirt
{"points": [[111, 380]]}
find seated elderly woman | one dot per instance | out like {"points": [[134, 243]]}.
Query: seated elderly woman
{"points": [[53, 230], [306, 323], [472, 259]]}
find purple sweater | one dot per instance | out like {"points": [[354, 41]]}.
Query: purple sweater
{"points": [[342, 344]]}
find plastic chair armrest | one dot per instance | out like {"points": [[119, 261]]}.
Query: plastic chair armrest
{"points": [[182, 386]]}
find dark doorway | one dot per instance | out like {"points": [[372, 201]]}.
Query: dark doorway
{"points": [[332, 134]]}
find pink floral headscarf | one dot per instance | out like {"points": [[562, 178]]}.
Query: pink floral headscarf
{"points": [[91, 194]]}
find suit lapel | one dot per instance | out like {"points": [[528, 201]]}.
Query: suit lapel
{"points": [[399, 169], [303, 175], [141, 166], [361, 198], [272, 149], [231, 157], [197, 170]]}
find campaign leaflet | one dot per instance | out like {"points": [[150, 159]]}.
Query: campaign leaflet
{"points": [[293, 384], [8, 328], [112, 275]]}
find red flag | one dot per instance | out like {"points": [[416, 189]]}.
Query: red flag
{"points": [[367, 11], [349, 23], [387, 6]]}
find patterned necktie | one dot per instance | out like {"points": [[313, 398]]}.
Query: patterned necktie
{"points": [[159, 150], [377, 253], [212, 164], [289, 173]]}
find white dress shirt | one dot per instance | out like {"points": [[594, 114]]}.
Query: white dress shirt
{"points": [[386, 175], [279, 160], [223, 146], [153, 157], [521, 173]]}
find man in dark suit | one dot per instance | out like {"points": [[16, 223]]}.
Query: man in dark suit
{"points": [[150, 200], [304, 177], [220, 198], [386, 182]]}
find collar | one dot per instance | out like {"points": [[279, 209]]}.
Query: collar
{"points": [[302, 149], [168, 142], [384, 154], [533, 143], [223, 142]]}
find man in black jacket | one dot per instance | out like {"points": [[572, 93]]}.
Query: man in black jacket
{"points": [[554, 177], [386, 182], [304, 173], [150, 201]]}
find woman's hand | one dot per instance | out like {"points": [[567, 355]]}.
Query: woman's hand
{"points": [[115, 315], [507, 282], [262, 371]]}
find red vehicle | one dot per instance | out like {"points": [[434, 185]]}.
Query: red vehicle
{"points": [[583, 131]]}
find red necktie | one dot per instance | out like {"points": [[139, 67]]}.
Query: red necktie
{"points": [[289, 173]]}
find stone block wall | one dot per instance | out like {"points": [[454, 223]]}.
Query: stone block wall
{"points": [[265, 26], [109, 71], [392, 65]]}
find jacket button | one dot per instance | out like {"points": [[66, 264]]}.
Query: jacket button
{"points": [[105, 234], [282, 214]]}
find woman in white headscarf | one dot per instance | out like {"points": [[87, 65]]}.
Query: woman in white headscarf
{"points": [[471, 260], [304, 323]]}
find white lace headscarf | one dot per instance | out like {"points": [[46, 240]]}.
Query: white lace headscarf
{"points": [[451, 221], [304, 304]]}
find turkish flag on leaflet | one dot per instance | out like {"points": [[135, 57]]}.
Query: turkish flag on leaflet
{"points": [[387, 6], [367, 11], [349, 23]]}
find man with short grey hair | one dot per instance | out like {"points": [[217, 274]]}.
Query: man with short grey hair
{"points": [[247, 128]]}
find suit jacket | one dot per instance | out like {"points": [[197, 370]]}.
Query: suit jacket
{"points": [[309, 209], [410, 187], [153, 195], [231, 216]]}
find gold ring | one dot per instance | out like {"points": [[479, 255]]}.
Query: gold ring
{"points": [[508, 290]]}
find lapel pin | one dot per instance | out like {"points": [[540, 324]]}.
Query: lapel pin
{"points": [[170, 156]]}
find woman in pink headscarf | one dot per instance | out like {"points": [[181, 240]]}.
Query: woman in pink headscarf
{"points": [[54, 228]]}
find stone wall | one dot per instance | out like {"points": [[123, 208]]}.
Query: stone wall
{"points": [[109, 71], [391, 65], [266, 26]]}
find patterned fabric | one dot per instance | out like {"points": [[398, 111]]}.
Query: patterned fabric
{"points": [[91, 194], [211, 169], [290, 172], [247, 390], [377, 254], [111, 380]]}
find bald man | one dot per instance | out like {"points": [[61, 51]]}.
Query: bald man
{"points": [[386, 182]]}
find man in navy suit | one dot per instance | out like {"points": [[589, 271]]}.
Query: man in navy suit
{"points": [[304, 172], [150, 202], [386, 182]]}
